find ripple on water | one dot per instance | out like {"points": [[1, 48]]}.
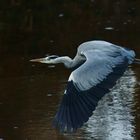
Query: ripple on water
{"points": [[113, 117]]}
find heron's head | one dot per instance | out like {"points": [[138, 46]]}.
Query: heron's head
{"points": [[49, 59]]}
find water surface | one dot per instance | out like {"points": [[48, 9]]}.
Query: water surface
{"points": [[30, 93]]}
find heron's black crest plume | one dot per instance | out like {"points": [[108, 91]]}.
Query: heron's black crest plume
{"points": [[52, 57]]}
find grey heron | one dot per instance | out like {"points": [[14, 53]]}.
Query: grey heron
{"points": [[98, 65]]}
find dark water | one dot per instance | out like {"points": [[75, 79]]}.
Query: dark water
{"points": [[30, 93]]}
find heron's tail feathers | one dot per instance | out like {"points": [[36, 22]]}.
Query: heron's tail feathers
{"points": [[137, 61]]}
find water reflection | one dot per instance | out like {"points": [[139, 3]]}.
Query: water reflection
{"points": [[113, 119], [30, 94], [29, 103]]}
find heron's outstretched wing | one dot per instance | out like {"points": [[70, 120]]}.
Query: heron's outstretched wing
{"points": [[96, 68], [86, 86]]}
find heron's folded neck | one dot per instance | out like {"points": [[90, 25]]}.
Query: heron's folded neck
{"points": [[67, 61], [70, 63]]}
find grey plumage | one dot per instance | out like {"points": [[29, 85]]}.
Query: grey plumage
{"points": [[99, 64]]}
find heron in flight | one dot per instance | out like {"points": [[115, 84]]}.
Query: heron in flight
{"points": [[97, 66]]}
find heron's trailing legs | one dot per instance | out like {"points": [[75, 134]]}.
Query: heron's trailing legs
{"points": [[137, 61]]}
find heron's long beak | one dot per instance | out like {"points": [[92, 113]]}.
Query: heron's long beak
{"points": [[40, 60]]}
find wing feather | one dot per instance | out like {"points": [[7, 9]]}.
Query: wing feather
{"points": [[86, 86], [97, 66]]}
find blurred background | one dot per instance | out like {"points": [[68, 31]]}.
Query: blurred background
{"points": [[30, 93]]}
